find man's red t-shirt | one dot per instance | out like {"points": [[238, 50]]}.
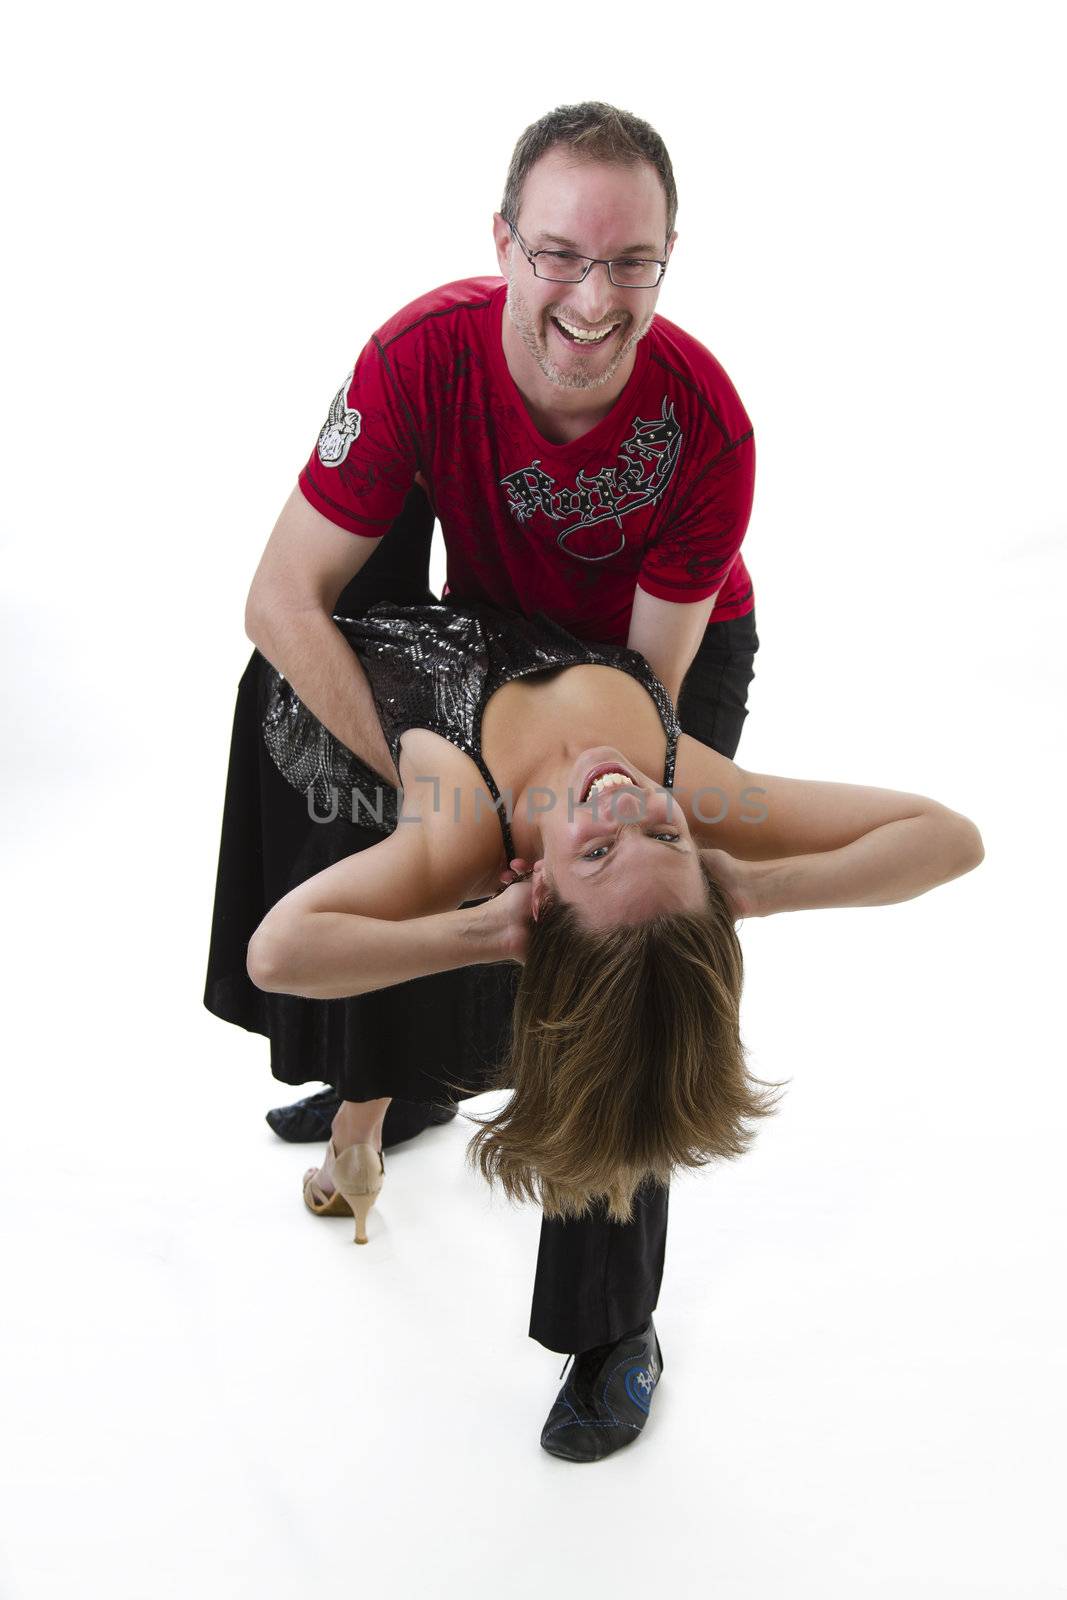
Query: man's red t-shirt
{"points": [[657, 495]]}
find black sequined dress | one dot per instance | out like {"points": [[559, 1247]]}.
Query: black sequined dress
{"points": [[430, 666], [435, 667]]}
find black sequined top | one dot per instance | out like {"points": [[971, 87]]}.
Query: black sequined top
{"points": [[436, 667]]}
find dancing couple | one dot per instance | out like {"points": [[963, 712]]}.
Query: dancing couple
{"points": [[499, 839]]}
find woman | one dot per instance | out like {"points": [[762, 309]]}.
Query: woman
{"points": [[628, 850]]}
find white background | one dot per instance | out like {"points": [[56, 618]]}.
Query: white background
{"points": [[204, 1389]]}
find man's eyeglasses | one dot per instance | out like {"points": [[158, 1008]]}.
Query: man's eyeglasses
{"points": [[564, 266]]}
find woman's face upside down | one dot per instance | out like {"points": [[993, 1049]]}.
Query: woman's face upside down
{"points": [[620, 851]]}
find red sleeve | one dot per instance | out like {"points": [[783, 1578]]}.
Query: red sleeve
{"points": [[364, 461], [689, 558]]}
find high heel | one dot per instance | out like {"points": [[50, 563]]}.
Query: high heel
{"points": [[357, 1174]]}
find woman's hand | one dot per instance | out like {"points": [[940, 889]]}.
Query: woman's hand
{"points": [[505, 920], [516, 869], [733, 878]]}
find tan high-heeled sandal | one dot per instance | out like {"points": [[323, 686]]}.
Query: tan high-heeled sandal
{"points": [[357, 1175]]}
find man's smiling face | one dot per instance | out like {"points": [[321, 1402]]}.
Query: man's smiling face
{"points": [[593, 208]]}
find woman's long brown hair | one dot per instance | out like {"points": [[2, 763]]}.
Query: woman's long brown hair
{"points": [[626, 1060]]}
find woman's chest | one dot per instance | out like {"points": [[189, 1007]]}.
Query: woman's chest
{"points": [[573, 708]]}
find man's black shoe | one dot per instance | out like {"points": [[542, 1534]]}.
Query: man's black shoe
{"points": [[605, 1402], [306, 1121], [309, 1121]]}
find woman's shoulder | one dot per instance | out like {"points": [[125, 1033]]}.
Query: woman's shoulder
{"points": [[446, 798]]}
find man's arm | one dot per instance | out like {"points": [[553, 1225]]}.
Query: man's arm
{"points": [[698, 543], [668, 635], [289, 618]]}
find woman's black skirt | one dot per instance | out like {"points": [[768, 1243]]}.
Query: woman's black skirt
{"points": [[438, 1039]]}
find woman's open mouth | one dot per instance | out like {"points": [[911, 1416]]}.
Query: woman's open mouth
{"points": [[583, 338], [606, 775]]}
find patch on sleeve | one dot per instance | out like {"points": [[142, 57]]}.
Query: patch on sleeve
{"points": [[340, 429]]}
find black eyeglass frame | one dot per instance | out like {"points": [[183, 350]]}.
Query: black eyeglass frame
{"points": [[590, 263]]}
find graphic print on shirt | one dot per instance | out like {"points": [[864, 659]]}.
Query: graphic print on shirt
{"points": [[341, 428], [645, 467]]}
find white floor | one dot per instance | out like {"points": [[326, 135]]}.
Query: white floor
{"points": [[205, 1392]]}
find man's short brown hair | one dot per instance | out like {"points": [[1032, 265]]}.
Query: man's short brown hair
{"points": [[594, 132]]}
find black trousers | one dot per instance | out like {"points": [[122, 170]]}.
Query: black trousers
{"points": [[597, 1279]]}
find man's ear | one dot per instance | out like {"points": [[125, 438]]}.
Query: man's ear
{"points": [[503, 241], [670, 245]]}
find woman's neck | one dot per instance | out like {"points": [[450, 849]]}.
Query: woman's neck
{"points": [[534, 730]]}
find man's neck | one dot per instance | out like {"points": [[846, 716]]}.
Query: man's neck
{"points": [[561, 415]]}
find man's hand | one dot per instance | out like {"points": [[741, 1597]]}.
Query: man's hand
{"points": [[288, 617]]}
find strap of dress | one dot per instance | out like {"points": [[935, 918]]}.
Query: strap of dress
{"points": [[671, 758], [501, 810]]}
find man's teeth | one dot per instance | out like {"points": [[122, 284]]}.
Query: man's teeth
{"points": [[584, 337], [608, 780]]}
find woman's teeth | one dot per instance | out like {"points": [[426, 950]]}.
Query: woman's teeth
{"points": [[582, 336], [608, 780]]}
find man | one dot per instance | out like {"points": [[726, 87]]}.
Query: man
{"points": [[585, 459]]}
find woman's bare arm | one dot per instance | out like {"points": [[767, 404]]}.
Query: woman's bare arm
{"points": [[331, 955], [390, 913], [800, 844]]}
